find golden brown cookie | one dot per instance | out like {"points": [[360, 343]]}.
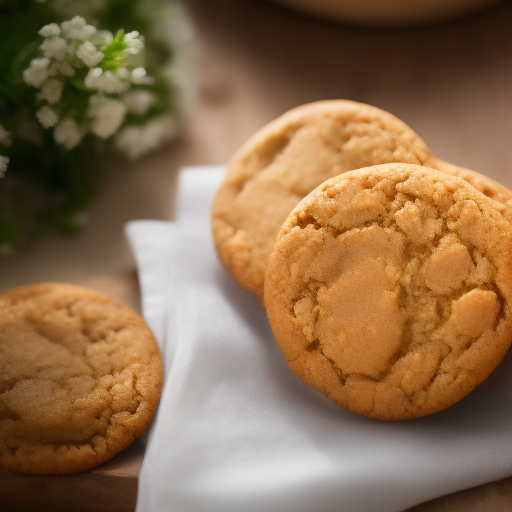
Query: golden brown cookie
{"points": [[389, 290], [291, 156], [80, 378]]}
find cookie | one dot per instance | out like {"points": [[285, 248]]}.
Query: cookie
{"points": [[482, 183], [291, 156], [80, 378], [389, 290]]}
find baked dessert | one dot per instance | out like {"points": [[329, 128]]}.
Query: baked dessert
{"points": [[291, 156], [80, 378], [389, 289]]}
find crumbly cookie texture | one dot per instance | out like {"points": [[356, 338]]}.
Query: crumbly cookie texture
{"points": [[389, 290], [80, 378], [291, 156]]}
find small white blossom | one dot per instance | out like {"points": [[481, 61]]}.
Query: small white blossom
{"points": [[37, 72], [61, 68], [92, 77], [107, 115], [105, 81], [134, 41], [47, 116], [138, 101], [77, 28], [51, 91], [103, 37], [55, 47], [67, 133], [135, 141], [51, 30], [88, 53], [4, 161], [122, 73], [5, 137], [139, 77]]}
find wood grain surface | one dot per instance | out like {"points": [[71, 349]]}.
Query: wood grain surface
{"points": [[451, 82]]}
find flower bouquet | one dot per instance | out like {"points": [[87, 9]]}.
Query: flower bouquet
{"points": [[79, 79]]}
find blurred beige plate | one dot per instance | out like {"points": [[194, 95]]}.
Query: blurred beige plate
{"points": [[387, 12]]}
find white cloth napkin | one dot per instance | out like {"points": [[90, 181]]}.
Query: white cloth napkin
{"points": [[237, 431]]}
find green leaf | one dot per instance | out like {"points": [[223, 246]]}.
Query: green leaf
{"points": [[113, 53]]}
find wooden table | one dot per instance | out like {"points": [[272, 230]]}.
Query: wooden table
{"points": [[452, 83]]}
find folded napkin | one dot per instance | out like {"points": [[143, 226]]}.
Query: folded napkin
{"points": [[236, 430]]}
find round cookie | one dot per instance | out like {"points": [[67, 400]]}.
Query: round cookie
{"points": [[483, 184], [291, 156], [389, 290], [80, 378]]}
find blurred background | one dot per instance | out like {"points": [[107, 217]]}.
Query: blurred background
{"points": [[445, 70]]}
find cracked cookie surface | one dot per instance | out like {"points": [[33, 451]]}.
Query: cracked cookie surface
{"points": [[389, 290], [291, 156], [80, 378]]}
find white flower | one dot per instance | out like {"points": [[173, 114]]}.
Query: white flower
{"points": [[134, 141], [67, 133], [92, 77], [4, 161], [47, 116], [51, 91], [51, 30], [77, 28], [5, 137], [107, 115], [55, 47], [88, 53], [138, 101], [134, 41], [103, 37], [37, 72], [104, 81], [122, 73], [62, 68], [139, 77]]}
